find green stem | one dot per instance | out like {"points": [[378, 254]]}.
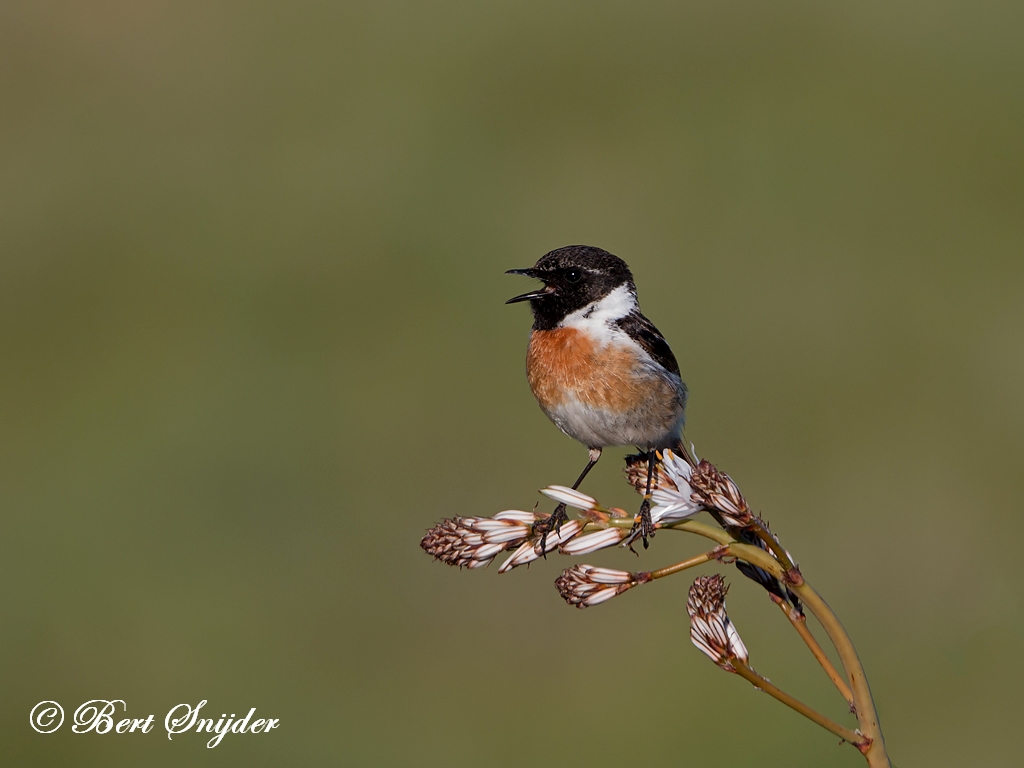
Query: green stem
{"points": [[867, 717], [698, 560], [691, 526], [799, 623], [830, 725], [874, 746], [777, 549]]}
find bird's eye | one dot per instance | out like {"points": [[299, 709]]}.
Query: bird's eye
{"points": [[573, 276]]}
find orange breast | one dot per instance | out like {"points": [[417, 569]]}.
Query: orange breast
{"points": [[566, 361]]}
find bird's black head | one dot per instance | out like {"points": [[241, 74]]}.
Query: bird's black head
{"points": [[573, 276]]}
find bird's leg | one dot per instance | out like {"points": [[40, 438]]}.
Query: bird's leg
{"points": [[555, 520], [644, 526]]}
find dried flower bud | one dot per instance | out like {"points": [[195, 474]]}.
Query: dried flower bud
{"points": [[710, 628], [592, 542], [473, 542], [530, 550], [586, 585], [717, 492], [636, 474]]}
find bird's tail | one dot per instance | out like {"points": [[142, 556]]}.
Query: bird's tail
{"points": [[680, 449]]}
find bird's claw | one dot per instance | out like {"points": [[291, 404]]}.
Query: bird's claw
{"points": [[643, 527], [551, 523]]}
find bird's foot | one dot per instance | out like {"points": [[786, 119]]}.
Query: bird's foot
{"points": [[643, 527], [549, 524]]}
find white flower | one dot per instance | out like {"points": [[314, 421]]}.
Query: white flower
{"points": [[673, 504]]}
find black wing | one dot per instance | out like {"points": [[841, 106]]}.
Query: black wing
{"points": [[643, 332]]}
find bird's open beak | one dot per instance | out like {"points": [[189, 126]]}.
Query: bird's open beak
{"points": [[539, 293]]}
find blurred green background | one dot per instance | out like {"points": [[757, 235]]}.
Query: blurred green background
{"points": [[253, 345]]}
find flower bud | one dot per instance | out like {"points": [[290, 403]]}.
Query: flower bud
{"points": [[473, 542], [710, 628], [717, 492], [586, 585]]}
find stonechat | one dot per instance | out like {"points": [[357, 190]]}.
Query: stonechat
{"points": [[599, 369]]}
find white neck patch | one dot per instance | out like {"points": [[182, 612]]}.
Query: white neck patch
{"points": [[598, 317]]}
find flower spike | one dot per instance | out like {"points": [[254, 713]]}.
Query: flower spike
{"points": [[716, 492], [586, 585], [710, 628], [473, 542]]}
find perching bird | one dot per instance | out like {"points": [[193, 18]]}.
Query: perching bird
{"points": [[599, 369]]}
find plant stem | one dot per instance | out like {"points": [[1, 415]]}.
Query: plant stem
{"points": [[830, 725], [873, 747], [799, 623], [670, 569], [867, 717], [776, 548], [691, 526]]}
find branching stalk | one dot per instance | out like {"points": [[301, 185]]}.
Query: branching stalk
{"points": [[864, 706], [776, 549], [799, 623], [474, 542], [862, 701], [830, 725], [661, 573]]}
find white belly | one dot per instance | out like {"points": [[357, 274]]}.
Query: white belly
{"points": [[652, 425]]}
